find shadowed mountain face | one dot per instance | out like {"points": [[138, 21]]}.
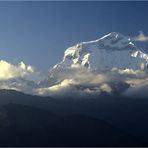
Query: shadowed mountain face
{"points": [[27, 120], [28, 126]]}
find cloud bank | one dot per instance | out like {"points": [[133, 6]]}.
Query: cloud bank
{"points": [[77, 82], [82, 82]]}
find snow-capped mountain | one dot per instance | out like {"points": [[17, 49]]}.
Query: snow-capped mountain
{"points": [[113, 50]]}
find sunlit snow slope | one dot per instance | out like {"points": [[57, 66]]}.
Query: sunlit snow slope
{"points": [[112, 50]]}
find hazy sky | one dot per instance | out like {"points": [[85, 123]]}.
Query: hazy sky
{"points": [[39, 32]]}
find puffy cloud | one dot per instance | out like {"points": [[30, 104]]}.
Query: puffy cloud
{"points": [[9, 71], [60, 88], [106, 88], [141, 37], [130, 72], [70, 88], [80, 82]]}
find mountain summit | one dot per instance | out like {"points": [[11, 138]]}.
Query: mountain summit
{"points": [[110, 51], [113, 50]]}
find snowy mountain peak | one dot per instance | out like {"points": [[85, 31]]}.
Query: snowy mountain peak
{"points": [[113, 50], [111, 41]]}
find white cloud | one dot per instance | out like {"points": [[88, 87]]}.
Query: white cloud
{"points": [[82, 82], [79, 82], [130, 72], [9, 71], [60, 88], [106, 88], [141, 37], [70, 88]]}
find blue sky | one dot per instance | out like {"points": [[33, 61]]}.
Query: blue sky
{"points": [[39, 32]]}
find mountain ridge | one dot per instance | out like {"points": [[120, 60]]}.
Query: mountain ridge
{"points": [[113, 43]]}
